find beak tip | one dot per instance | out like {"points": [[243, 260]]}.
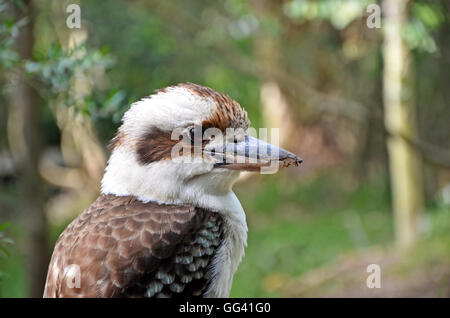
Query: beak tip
{"points": [[292, 160]]}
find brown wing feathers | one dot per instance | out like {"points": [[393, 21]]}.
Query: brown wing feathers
{"points": [[124, 247]]}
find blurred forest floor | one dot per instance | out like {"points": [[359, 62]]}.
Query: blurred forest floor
{"points": [[324, 248]]}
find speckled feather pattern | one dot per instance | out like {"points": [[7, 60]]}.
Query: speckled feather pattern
{"points": [[127, 248]]}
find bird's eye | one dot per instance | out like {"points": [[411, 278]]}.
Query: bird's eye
{"points": [[192, 133], [196, 134]]}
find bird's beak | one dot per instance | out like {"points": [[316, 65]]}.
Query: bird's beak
{"points": [[252, 154]]}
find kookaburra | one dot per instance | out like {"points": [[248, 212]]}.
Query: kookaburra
{"points": [[164, 227]]}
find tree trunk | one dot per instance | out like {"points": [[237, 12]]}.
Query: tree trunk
{"points": [[276, 110], [25, 144], [400, 120]]}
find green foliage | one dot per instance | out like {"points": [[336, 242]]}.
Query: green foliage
{"points": [[161, 53], [295, 228], [339, 13], [61, 69], [9, 30], [12, 266], [60, 66], [425, 20], [4, 241]]}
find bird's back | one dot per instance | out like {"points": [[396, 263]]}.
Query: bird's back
{"points": [[122, 247]]}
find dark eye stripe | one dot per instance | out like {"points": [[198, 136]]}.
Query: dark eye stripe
{"points": [[155, 145], [195, 133]]}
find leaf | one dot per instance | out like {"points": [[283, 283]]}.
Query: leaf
{"points": [[4, 226], [4, 250]]}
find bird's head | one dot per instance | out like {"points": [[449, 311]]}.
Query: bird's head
{"points": [[186, 144]]}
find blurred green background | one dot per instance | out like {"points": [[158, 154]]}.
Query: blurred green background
{"points": [[375, 183]]}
